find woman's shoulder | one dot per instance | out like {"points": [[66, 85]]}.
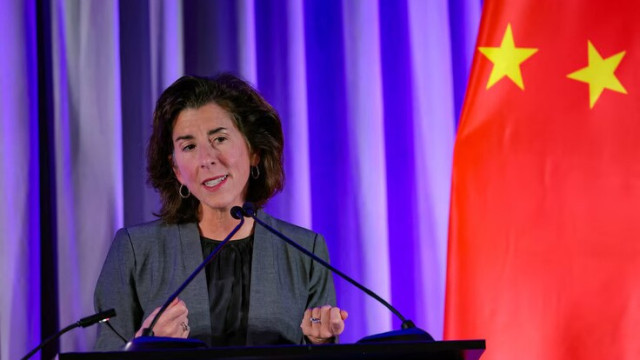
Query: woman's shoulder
{"points": [[140, 230], [157, 230], [148, 227], [293, 231], [306, 238]]}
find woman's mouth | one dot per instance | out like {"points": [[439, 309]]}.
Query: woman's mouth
{"points": [[216, 181]]}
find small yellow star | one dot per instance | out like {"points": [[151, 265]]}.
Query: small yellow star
{"points": [[506, 59], [599, 74]]}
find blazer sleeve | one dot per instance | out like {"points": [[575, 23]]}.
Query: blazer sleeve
{"points": [[116, 289], [321, 290]]}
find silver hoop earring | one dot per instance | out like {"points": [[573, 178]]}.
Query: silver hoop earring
{"points": [[255, 172], [182, 194]]}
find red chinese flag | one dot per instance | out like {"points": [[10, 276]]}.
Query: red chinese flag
{"points": [[544, 248]]}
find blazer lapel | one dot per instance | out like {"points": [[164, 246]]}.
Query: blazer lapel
{"points": [[273, 299], [262, 298], [196, 294]]}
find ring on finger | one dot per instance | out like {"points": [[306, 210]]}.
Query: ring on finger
{"points": [[185, 327], [315, 320]]}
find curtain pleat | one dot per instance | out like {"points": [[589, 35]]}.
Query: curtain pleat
{"points": [[88, 147], [19, 181], [366, 143], [434, 131]]}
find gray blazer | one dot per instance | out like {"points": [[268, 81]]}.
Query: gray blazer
{"points": [[147, 263]]}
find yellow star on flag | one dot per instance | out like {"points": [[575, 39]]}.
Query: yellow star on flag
{"points": [[506, 59], [599, 74]]}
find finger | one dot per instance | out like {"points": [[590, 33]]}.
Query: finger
{"points": [[325, 322], [315, 323], [337, 324], [174, 302], [316, 313], [174, 311], [306, 322], [183, 327], [179, 327], [343, 314], [174, 321]]}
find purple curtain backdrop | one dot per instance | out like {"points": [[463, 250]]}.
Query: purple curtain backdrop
{"points": [[369, 92]]}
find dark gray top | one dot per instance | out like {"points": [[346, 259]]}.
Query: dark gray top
{"points": [[146, 263], [229, 284]]}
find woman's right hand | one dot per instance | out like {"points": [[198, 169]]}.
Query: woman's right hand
{"points": [[173, 322]]}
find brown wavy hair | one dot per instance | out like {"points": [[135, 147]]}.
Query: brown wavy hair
{"points": [[258, 122]]}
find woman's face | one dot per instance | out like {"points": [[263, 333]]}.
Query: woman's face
{"points": [[211, 158]]}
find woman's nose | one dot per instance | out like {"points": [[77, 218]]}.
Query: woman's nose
{"points": [[208, 155]]}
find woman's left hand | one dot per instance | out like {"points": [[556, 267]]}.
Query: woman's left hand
{"points": [[321, 324]]}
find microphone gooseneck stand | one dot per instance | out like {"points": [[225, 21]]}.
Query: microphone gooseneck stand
{"points": [[409, 331], [150, 342], [84, 322]]}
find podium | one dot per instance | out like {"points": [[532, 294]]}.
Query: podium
{"points": [[435, 350]]}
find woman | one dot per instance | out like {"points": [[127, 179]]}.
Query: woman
{"points": [[216, 143]]}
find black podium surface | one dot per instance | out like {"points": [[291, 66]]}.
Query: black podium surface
{"points": [[440, 350]]}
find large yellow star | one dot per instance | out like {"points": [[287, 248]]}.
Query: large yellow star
{"points": [[506, 59], [599, 74]]}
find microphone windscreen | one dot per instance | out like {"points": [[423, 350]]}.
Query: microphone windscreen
{"points": [[99, 317], [249, 209], [236, 212]]}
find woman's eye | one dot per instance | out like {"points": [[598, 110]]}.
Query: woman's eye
{"points": [[219, 139], [188, 147]]}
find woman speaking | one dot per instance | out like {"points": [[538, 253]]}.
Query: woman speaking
{"points": [[216, 143]]}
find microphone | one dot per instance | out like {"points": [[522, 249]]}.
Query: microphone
{"points": [[84, 322], [147, 341], [409, 331]]}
